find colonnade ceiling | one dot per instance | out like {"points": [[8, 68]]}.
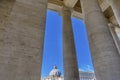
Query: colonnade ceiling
{"points": [[57, 5]]}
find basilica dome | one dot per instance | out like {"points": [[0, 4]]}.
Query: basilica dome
{"points": [[55, 72]]}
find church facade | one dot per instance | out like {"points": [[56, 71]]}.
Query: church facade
{"points": [[55, 74]]}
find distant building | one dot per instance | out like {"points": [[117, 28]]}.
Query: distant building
{"points": [[86, 75], [55, 74]]}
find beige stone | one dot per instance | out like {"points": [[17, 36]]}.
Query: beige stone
{"points": [[115, 37], [22, 27], [115, 4], [69, 53], [105, 56], [21, 39]]}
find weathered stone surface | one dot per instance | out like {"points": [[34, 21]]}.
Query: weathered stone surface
{"points": [[115, 37], [21, 38], [69, 53], [115, 4], [105, 56], [22, 25]]}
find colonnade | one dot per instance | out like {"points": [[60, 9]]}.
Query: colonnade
{"points": [[105, 56], [22, 27]]}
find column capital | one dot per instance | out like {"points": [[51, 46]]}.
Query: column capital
{"points": [[70, 3], [66, 10]]}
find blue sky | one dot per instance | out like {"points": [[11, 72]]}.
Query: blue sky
{"points": [[53, 44]]}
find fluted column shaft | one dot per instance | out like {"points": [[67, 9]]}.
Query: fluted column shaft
{"points": [[115, 4], [21, 38], [69, 54], [105, 56]]}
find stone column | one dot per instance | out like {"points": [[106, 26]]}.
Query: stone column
{"points": [[5, 9], [105, 56], [115, 4], [69, 53], [115, 37], [21, 39]]}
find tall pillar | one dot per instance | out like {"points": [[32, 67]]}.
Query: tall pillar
{"points": [[105, 56], [115, 37], [69, 54], [21, 39], [115, 4]]}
